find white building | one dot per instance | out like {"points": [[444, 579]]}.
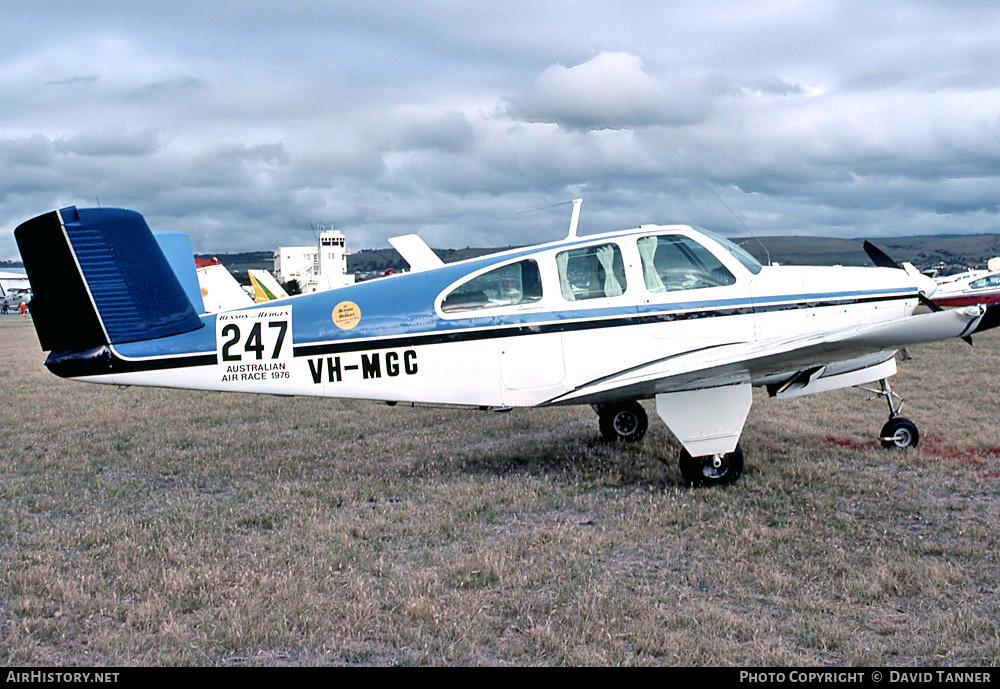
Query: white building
{"points": [[13, 281], [317, 268]]}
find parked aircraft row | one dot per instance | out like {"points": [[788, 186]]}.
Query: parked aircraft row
{"points": [[972, 287], [221, 292], [669, 313]]}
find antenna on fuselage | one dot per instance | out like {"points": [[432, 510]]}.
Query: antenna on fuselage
{"points": [[574, 219], [726, 205]]}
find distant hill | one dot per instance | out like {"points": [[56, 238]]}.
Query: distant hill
{"points": [[923, 251], [239, 264], [380, 260], [366, 260]]}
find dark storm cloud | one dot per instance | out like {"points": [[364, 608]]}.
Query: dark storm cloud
{"points": [[449, 132]]}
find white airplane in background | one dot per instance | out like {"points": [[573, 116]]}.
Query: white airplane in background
{"points": [[972, 287], [670, 313], [14, 298], [219, 289]]}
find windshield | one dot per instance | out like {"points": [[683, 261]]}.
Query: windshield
{"points": [[741, 254], [674, 262]]}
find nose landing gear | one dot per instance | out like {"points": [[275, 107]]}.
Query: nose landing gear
{"points": [[899, 432]]}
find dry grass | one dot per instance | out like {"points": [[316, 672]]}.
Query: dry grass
{"points": [[145, 526]]}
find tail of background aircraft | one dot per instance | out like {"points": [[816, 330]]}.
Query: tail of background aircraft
{"points": [[99, 277], [265, 287], [219, 289]]}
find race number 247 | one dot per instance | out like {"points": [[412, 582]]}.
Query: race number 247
{"points": [[257, 343]]}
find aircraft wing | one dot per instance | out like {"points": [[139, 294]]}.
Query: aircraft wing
{"points": [[793, 360]]}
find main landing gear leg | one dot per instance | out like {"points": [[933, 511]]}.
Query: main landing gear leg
{"points": [[622, 420], [712, 470], [899, 432]]}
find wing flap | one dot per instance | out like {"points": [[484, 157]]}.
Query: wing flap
{"points": [[823, 383]]}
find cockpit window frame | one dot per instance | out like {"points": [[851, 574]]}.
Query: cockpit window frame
{"points": [[618, 280], [986, 282], [489, 309], [720, 274], [745, 258]]}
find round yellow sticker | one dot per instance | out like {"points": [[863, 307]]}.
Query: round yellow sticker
{"points": [[346, 315], [204, 291]]}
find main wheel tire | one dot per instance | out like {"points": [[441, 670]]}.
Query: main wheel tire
{"points": [[712, 470], [623, 421], [899, 433]]}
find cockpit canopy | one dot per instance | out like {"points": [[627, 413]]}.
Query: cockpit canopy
{"points": [[670, 260]]}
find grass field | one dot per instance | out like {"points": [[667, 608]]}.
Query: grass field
{"points": [[143, 526]]}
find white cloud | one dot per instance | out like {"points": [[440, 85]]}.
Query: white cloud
{"points": [[609, 91]]}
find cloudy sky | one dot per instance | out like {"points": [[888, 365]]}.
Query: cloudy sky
{"points": [[248, 123]]}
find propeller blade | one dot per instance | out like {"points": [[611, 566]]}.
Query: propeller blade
{"points": [[926, 301], [879, 257], [883, 260]]}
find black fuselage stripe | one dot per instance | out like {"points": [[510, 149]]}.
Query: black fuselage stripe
{"points": [[70, 365]]}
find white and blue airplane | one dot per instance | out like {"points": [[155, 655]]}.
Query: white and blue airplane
{"points": [[670, 313]]}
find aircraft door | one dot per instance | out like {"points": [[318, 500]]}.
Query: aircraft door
{"points": [[531, 362], [595, 288], [531, 365]]}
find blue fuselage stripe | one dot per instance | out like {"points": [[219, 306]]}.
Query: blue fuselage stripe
{"points": [[568, 321]]}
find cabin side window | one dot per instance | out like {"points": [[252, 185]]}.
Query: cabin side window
{"points": [[593, 272], [675, 262], [509, 285], [989, 281]]}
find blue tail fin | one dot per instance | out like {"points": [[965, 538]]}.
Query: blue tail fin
{"points": [[176, 247], [99, 277]]}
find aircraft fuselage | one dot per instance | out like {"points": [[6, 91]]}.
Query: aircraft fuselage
{"points": [[401, 339]]}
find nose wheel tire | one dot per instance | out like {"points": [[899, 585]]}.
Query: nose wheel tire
{"points": [[623, 421], [899, 433], [712, 470]]}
